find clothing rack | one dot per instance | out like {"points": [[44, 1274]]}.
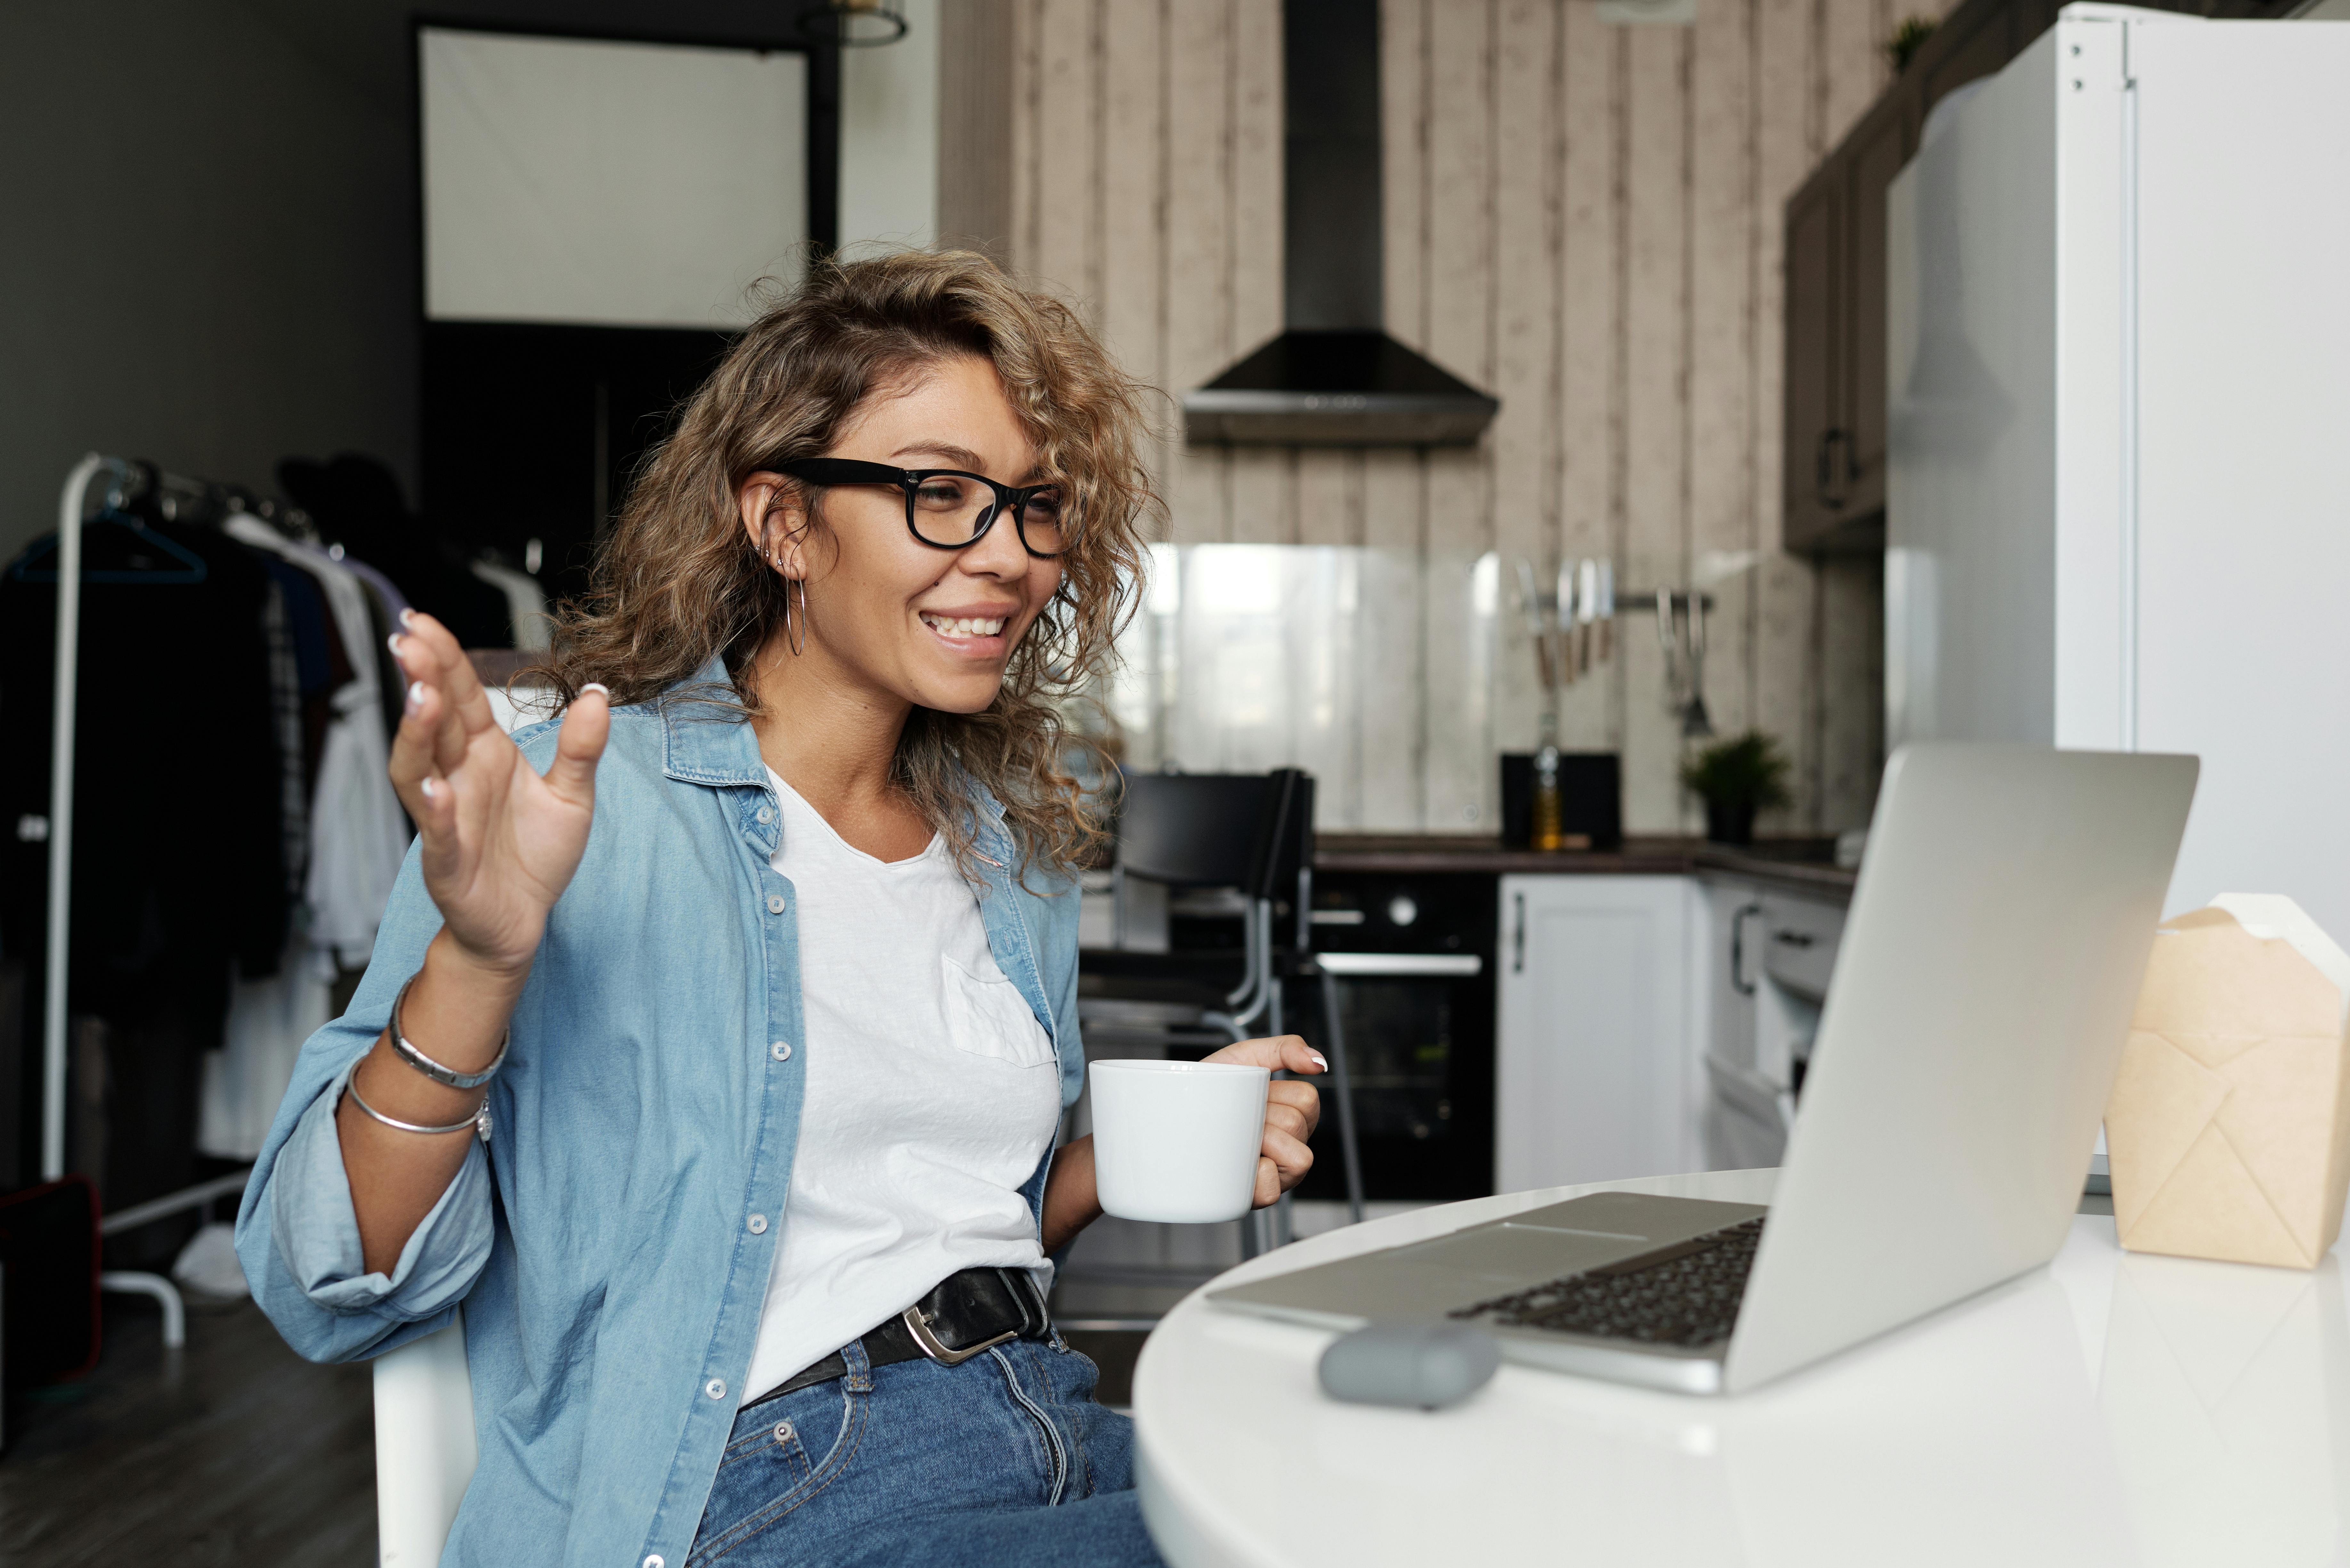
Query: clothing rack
{"points": [[126, 480]]}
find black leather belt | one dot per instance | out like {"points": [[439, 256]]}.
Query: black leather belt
{"points": [[969, 1312]]}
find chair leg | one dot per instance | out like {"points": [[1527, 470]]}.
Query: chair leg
{"points": [[166, 1295], [1334, 1036]]}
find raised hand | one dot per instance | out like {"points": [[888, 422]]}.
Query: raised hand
{"points": [[500, 842]]}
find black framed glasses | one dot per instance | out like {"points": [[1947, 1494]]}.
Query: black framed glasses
{"points": [[947, 508]]}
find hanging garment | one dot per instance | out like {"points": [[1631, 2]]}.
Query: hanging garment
{"points": [[286, 716], [355, 501], [525, 605], [385, 607], [267, 1021], [357, 837], [357, 832], [175, 744]]}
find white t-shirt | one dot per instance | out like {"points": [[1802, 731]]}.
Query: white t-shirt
{"points": [[932, 1093]]}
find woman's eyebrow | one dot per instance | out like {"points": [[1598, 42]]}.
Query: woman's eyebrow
{"points": [[960, 457]]}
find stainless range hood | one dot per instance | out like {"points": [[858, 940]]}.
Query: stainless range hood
{"points": [[1334, 377]]}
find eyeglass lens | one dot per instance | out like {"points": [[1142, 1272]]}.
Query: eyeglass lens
{"points": [[952, 510]]}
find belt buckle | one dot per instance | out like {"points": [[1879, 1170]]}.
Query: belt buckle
{"points": [[937, 1349]]}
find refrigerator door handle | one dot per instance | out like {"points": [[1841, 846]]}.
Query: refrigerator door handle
{"points": [[1826, 475], [1738, 980]]}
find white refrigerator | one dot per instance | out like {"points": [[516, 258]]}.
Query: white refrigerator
{"points": [[2119, 502]]}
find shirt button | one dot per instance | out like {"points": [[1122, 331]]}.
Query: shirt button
{"points": [[781, 1050], [766, 814], [758, 1224], [655, 1561], [775, 903], [715, 1388]]}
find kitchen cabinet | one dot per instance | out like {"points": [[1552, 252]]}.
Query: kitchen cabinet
{"points": [[1599, 1036], [1832, 463]]}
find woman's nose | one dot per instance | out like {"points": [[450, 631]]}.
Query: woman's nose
{"points": [[997, 553]]}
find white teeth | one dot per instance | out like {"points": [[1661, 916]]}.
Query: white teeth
{"points": [[966, 626]]}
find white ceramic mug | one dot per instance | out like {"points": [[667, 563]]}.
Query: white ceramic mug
{"points": [[1177, 1142]]}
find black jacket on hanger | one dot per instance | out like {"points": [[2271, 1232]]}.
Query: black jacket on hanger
{"points": [[178, 866]]}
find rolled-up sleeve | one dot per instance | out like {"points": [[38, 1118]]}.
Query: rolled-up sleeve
{"points": [[318, 1233], [295, 1232]]}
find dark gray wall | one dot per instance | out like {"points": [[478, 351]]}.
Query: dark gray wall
{"points": [[208, 250], [207, 247]]}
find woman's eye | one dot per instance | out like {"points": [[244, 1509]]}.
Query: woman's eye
{"points": [[942, 494], [1045, 507]]}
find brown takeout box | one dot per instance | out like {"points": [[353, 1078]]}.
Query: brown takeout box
{"points": [[2229, 1131]]}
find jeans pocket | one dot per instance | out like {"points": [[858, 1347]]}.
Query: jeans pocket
{"points": [[772, 1468], [776, 1445]]}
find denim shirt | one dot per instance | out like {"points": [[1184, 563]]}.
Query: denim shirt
{"points": [[612, 1243]]}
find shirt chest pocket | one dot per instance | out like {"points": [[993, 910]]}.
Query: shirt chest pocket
{"points": [[987, 1017]]}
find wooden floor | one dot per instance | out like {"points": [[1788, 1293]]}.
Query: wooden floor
{"points": [[233, 1450]]}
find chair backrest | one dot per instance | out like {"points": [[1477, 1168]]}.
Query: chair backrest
{"points": [[424, 1452], [1289, 870], [1195, 830]]}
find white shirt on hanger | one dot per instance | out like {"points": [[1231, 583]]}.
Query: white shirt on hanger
{"points": [[930, 1095], [357, 833]]}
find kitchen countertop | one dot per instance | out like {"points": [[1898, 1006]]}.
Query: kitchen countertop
{"points": [[1797, 864]]}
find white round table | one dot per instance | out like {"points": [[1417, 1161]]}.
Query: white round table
{"points": [[2111, 1408]]}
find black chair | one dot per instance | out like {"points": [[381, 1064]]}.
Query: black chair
{"points": [[1250, 838], [1212, 844]]}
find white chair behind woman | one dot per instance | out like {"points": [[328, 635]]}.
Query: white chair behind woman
{"points": [[424, 1446]]}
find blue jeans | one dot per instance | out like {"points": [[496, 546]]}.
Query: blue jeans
{"points": [[1003, 1458]]}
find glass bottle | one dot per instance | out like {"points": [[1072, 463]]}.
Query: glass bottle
{"points": [[1549, 815]]}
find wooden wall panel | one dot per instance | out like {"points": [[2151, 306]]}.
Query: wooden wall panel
{"points": [[1585, 219], [1590, 339], [1723, 215]]}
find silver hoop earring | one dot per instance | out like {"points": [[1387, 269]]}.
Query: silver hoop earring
{"points": [[797, 630]]}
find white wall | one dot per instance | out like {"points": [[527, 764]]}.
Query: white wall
{"points": [[577, 180], [890, 136]]}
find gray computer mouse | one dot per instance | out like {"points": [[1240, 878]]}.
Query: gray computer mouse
{"points": [[1423, 1365]]}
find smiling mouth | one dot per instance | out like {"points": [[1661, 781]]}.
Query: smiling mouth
{"points": [[967, 625]]}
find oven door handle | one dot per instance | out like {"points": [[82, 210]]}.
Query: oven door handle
{"points": [[1400, 966]]}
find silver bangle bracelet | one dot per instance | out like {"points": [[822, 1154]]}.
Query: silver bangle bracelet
{"points": [[435, 1070], [478, 1123]]}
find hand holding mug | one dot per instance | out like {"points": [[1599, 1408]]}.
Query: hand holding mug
{"points": [[1292, 1110], [1199, 1142]]}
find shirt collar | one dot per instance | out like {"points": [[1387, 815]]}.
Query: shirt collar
{"points": [[703, 741]]}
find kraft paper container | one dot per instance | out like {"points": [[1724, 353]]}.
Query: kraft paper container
{"points": [[2229, 1131]]}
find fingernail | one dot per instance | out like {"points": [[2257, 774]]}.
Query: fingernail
{"points": [[598, 687], [393, 642], [1317, 1060], [429, 792], [407, 617], [415, 697]]}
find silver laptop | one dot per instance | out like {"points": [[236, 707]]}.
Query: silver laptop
{"points": [[1981, 996]]}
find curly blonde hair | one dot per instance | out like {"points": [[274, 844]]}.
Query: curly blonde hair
{"points": [[678, 580]]}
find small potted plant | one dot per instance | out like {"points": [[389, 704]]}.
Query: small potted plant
{"points": [[1736, 778]]}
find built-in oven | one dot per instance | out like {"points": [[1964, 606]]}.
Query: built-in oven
{"points": [[1410, 956]]}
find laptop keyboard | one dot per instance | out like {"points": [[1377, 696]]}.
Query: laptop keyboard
{"points": [[1686, 1294]]}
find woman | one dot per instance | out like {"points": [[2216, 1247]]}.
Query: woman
{"points": [[713, 1047]]}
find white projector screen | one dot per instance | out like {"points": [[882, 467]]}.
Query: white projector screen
{"points": [[608, 183]]}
